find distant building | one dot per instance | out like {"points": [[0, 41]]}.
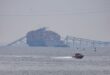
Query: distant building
{"points": [[43, 37]]}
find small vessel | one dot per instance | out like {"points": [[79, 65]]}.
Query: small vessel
{"points": [[78, 56]]}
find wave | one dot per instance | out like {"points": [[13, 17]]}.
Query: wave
{"points": [[62, 57]]}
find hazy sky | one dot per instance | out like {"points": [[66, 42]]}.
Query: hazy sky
{"points": [[80, 18]]}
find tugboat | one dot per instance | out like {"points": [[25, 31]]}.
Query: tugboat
{"points": [[78, 56]]}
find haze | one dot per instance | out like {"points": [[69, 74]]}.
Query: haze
{"points": [[81, 18]]}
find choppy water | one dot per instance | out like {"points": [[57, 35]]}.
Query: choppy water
{"points": [[42, 65], [27, 64]]}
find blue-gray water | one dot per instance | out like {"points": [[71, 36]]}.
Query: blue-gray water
{"points": [[53, 61]]}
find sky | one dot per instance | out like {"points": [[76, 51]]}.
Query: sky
{"points": [[80, 18]]}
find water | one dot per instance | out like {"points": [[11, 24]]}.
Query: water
{"points": [[48, 64]]}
